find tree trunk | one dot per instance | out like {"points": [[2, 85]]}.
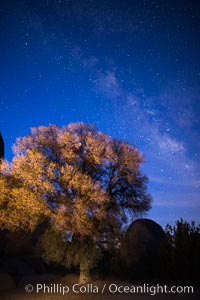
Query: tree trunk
{"points": [[84, 276]]}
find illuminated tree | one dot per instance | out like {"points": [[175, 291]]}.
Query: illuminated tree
{"points": [[91, 184], [20, 208]]}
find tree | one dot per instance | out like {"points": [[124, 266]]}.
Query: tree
{"points": [[20, 208], [184, 238], [91, 184]]}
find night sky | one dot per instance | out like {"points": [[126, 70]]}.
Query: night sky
{"points": [[132, 68]]}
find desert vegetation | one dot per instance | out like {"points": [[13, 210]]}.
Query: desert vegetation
{"points": [[79, 186], [69, 204]]}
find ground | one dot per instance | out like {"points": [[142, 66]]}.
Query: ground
{"points": [[21, 294]]}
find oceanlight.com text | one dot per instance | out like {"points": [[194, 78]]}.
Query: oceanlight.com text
{"points": [[112, 288]]}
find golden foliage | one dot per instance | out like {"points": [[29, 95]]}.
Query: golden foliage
{"points": [[20, 209], [82, 180]]}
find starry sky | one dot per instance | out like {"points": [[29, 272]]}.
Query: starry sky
{"points": [[130, 67]]}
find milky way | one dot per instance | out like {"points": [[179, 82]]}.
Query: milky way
{"points": [[131, 68]]}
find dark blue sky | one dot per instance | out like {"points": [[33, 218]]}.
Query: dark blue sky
{"points": [[131, 68]]}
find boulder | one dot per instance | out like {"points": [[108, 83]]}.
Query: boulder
{"points": [[16, 244], [2, 242], [141, 247], [15, 267], [35, 263], [7, 282]]}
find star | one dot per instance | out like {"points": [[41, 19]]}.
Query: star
{"points": [[130, 68]]}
